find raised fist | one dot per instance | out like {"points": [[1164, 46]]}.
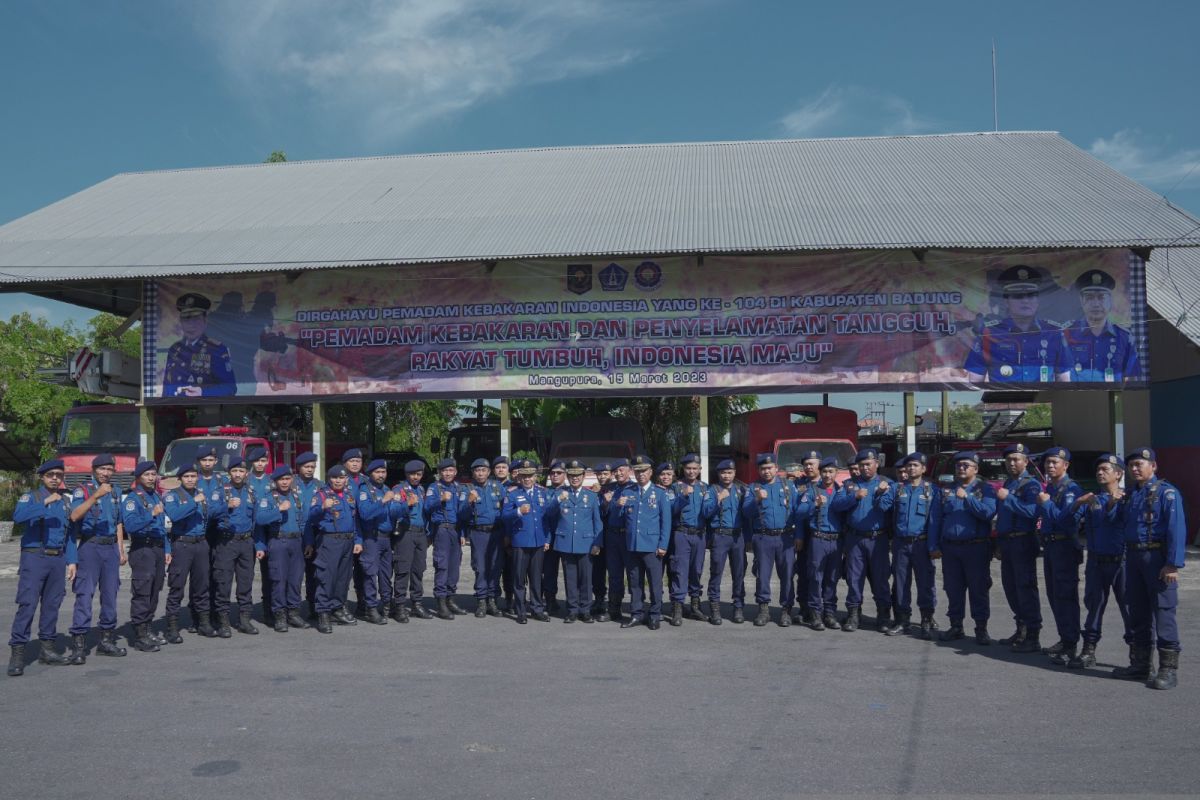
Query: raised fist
{"points": [[234, 502], [105, 488], [286, 505], [722, 495], [473, 496], [329, 503], [761, 493], [1002, 493]]}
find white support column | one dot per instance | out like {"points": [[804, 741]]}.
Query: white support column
{"points": [[505, 429], [910, 423], [703, 403]]}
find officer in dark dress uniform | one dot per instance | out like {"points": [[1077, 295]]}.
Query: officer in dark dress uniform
{"points": [[1061, 551], [46, 546], [409, 544], [1099, 351], [96, 516], [233, 556], [615, 554], [599, 611], [962, 541], [647, 517], [196, 365], [577, 534], [1104, 571], [1017, 542], [187, 509], [445, 505], [727, 533], [525, 511], [550, 560], [500, 471], [1020, 348], [142, 516], [482, 529], [334, 518], [279, 522]]}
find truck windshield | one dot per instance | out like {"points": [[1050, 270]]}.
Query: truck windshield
{"points": [[99, 431], [792, 452], [182, 452], [589, 452]]}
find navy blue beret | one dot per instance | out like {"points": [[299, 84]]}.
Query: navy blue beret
{"points": [[446, 463], [866, 454], [185, 469], [142, 466], [255, 453], [725, 464], [378, 463], [1141, 454], [1018, 448], [104, 460], [765, 458], [1058, 452], [236, 461], [283, 470], [54, 463], [967, 455], [305, 458], [557, 464], [620, 462], [416, 465], [664, 466], [690, 458], [498, 460], [337, 471], [918, 458], [828, 461], [1110, 458], [354, 452], [603, 466], [206, 451], [479, 462]]}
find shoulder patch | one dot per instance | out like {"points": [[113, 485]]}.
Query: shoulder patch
{"points": [[170, 498], [130, 506], [362, 496], [262, 503], [78, 494], [25, 498], [429, 492]]}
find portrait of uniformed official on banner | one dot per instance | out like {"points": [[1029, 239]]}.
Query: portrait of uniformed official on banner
{"points": [[196, 365]]}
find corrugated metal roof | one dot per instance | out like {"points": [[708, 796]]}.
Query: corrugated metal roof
{"points": [[1003, 190], [1173, 288]]}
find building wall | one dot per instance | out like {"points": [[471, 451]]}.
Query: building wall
{"points": [[1174, 399]]}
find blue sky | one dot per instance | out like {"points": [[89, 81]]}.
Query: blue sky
{"points": [[97, 88]]}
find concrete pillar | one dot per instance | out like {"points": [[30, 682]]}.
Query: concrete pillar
{"points": [[146, 433], [505, 429], [703, 403], [318, 437], [1116, 424], [910, 422]]}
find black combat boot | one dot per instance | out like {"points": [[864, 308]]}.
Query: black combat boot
{"points": [[420, 611], [799, 613], [374, 617], [739, 615], [814, 621], [928, 624], [586, 618], [281, 622], [108, 645], [981, 635], [632, 621], [653, 623], [698, 613], [785, 617], [714, 612], [193, 619], [246, 626], [521, 616], [173, 636], [1064, 656], [144, 641], [600, 612], [764, 615], [954, 632], [901, 624], [400, 611], [830, 621], [1017, 637], [49, 655], [454, 607], [883, 619], [443, 609], [1168, 667], [204, 627], [676, 614], [481, 609], [551, 606], [570, 618], [324, 622], [1032, 643], [541, 616], [852, 619], [343, 617], [16, 661], [614, 611], [223, 629], [1053, 649], [78, 654], [1086, 658], [294, 619], [490, 607]]}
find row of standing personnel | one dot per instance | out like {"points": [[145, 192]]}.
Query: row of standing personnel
{"points": [[629, 529]]}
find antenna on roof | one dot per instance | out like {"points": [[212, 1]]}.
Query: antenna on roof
{"points": [[995, 107]]}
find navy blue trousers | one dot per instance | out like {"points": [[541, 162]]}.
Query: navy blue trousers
{"points": [[779, 551], [1100, 579], [640, 569], [233, 559], [40, 579], [527, 571], [447, 560], [800, 569], [823, 562], [910, 559], [373, 570], [333, 564], [967, 570], [1152, 602], [615, 557], [687, 564], [408, 563], [729, 548], [1018, 576], [1060, 564], [287, 569], [549, 576], [99, 567], [487, 553], [577, 575], [147, 569], [190, 567], [866, 557]]}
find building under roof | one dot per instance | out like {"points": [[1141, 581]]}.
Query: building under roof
{"points": [[978, 191]]}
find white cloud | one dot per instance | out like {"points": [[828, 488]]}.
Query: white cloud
{"points": [[1129, 151], [384, 68], [855, 111]]}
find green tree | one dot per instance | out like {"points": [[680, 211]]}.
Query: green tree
{"points": [[276, 157], [1037, 415], [101, 334], [30, 405], [965, 422]]}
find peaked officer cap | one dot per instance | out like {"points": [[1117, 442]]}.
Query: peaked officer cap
{"points": [[1095, 279], [1020, 279], [1141, 454], [192, 304], [640, 463], [576, 467], [1111, 458]]}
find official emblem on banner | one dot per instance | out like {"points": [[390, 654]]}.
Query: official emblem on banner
{"points": [[648, 276], [613, 278], [579, 278]]}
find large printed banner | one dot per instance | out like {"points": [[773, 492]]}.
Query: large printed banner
{"points": [[710, 325]]}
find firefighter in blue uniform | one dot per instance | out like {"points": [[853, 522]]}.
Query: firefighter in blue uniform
{"points": [[525, 512], [615, 554], [578, 533], [1099, 351], [233, 557], [1020, 348], [334, 519], [482, 529], [210, 481], [501, 473], [687, 538], [187, 508], [46, 546], [807, 471], [646, 511], [550, 561], [1061, 551], [280, 519], [352, 462], [96, 517], [769, 507], [142, 517], [727, 533], [822, 523], [599, 611], [196, 365], [1151, 515], [260, 482], [1104, 571], [868, 501], [1017, 542], [961, 540], [409, 544], [445, 506], [307, 484], [373, 566], [914, 512]]}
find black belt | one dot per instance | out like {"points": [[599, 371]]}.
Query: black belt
{"points": [[286, 536], [98, 540], [1146, 545], [723, 531], [689, 530], [981, 540], [236, 537], [920, 538], [825, 537], [772, 531], [191, 539], [872, 534], [46, 551], [338, 535], [146, 541], [1107, 559], [1013, 534], [482, 528], [1058, 537]]}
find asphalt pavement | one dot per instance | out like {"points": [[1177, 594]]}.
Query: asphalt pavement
{"points": [[491, 709]]}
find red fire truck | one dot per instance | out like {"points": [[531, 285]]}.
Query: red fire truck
{"points": [[89, 430], [788, 432]]}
